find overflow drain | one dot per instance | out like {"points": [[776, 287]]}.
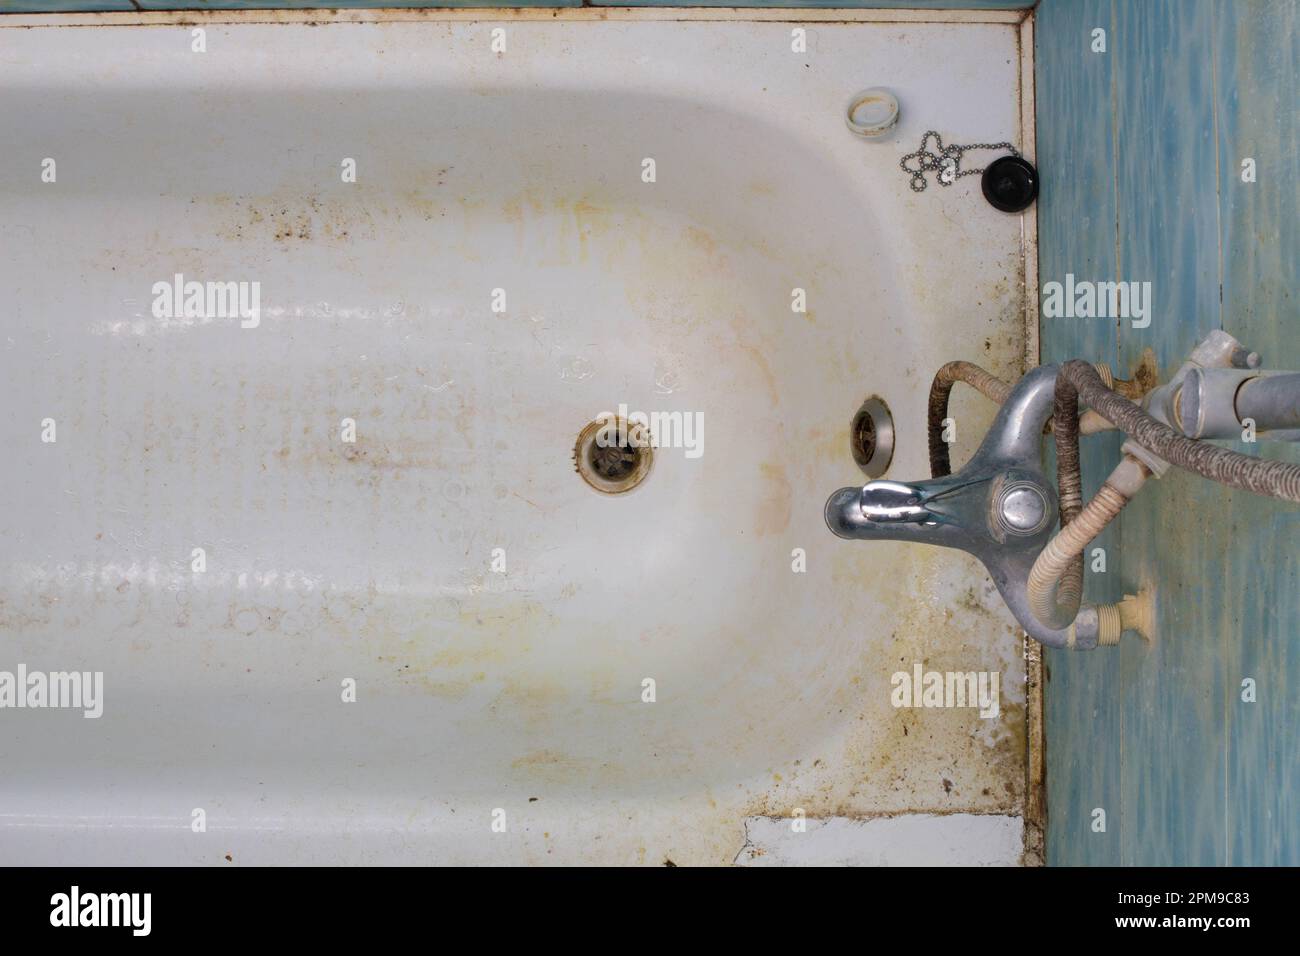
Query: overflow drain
{"points": [[613, 455], [871, 437]]}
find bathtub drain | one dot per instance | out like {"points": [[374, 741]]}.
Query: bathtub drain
{"points": [[613, 455]]}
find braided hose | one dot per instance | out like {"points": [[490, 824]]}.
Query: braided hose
{"points": [[1055, 586], [1067, 426], [1069, 491], [1275, 479], [990, 386]]}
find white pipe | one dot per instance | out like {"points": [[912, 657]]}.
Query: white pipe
{"points": [[1055, 559]]}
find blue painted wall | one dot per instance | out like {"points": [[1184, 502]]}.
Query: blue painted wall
{"points": [[1140, 150]]}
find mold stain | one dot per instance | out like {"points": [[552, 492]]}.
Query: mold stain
{"points": [[486, 652]]}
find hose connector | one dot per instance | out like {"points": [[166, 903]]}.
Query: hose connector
{"points": [[1136, 613]]}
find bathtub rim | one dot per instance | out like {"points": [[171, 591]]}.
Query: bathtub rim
{"points": [[324, 15]]}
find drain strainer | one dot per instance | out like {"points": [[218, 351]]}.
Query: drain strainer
{"points": [[613, 455]]}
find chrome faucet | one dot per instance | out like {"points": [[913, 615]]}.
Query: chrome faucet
{"points": [[999, 507], [1002, 509]]}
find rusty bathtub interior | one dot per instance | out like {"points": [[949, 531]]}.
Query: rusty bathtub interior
{"points": [[498, 272]]}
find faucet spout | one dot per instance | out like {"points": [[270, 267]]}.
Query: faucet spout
{"points": [[856, 513], [931, 512], [886, 501]]}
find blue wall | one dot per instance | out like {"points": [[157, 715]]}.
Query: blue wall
{"points": [[1140, 151]]}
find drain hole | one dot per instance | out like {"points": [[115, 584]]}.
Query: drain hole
{"points": [[613, 455], [616, 463], [864, 437], [871, 437]]}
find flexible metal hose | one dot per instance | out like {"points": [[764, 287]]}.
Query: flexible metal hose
{"points": [[988, 385], [1055, 586], [1276, 479], [1069, 491]]}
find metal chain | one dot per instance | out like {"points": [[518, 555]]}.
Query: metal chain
{"points": [[944, 160]]}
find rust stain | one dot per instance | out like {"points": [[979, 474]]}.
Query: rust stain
{"points": [[768, 377], [451, 653], [773, 513]]}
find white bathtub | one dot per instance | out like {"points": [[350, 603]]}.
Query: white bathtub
{"points": [[485, 695]]}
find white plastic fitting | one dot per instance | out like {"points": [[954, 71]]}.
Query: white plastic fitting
{"points": [[872, 113], [1136, 612]]}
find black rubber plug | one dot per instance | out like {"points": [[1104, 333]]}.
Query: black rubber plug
{"points": [[1010, 184]]}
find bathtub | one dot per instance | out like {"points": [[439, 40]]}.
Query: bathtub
{"points": [[435, 641]]}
